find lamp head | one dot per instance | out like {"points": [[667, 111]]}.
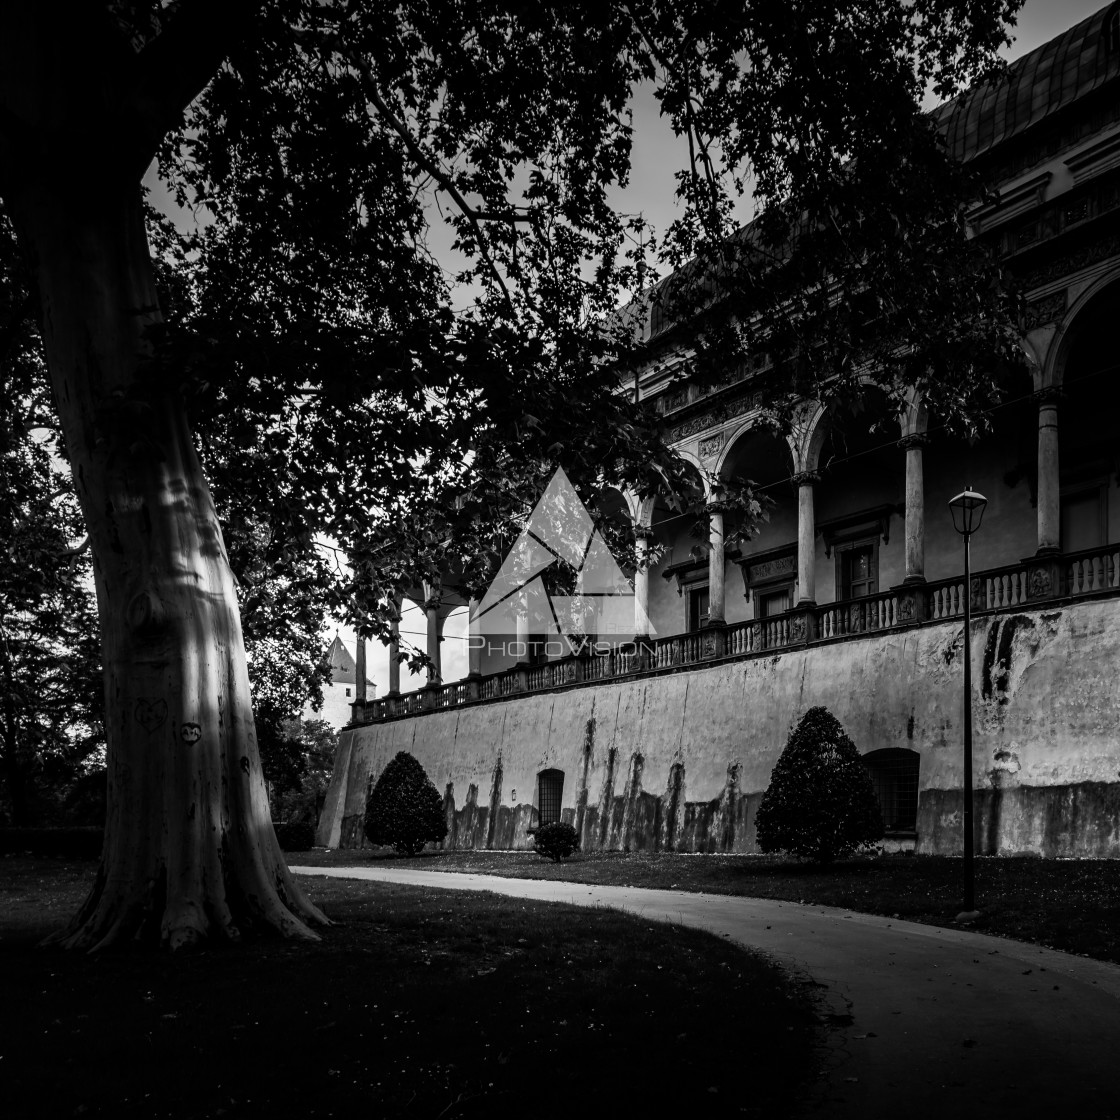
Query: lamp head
{"points": [[968, 510]]}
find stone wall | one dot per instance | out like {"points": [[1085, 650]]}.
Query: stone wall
{"points": [[680, 760]]}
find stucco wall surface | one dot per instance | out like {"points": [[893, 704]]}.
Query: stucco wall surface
{"points": [[681, 760]]}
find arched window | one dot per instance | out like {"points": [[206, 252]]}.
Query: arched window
{"points": [[894, 774], [550, 786]]}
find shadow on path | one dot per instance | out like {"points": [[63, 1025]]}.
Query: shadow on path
{"points": [[926, 1022]]}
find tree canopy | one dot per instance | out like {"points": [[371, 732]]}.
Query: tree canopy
{"points": [[406, 430], [303, 346]]}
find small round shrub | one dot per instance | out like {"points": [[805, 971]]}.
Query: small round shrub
{"points": [[555, 840], [820, 804], [404, 809]]}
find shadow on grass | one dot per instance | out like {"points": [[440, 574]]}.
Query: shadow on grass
{"points": [[419, 1003]]}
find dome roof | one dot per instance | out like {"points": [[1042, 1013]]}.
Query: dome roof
{"points": [[1035, 86]]}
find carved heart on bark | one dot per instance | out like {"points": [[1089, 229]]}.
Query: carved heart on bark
{"points": [[151, 714], [190, 733]]}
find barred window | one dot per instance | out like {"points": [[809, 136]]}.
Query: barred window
{"points": [[550, 784], [894, 774]]}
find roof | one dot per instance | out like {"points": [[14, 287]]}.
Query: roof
{"points": [[1033, 87], [343, 668]]}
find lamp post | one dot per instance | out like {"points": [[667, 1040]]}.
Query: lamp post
{"points": [[968, 510]]}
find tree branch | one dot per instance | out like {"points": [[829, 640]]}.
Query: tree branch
{"points": [[176, 66]]}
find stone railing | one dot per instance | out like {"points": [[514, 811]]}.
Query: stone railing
{"points": [[1032, 582]]}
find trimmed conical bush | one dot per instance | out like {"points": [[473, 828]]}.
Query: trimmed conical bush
{"points": [[404, 809], [820, 803]]}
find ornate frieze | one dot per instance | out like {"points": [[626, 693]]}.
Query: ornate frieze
{"points": [[739, 405], [1067, 264]]}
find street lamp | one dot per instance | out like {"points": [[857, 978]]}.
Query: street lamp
{"points": [[968, 510]]}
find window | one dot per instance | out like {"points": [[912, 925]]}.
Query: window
{"points": [[698, 607], [774, 600], [857, 569], [550, 786], [1084, 517], [348, 692], [770, 579], [894, 774]]}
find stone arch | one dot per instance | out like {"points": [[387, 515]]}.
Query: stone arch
{"points": [[1053, 369], [913, 417], [752, 426], [810, 433], [702, 472]]}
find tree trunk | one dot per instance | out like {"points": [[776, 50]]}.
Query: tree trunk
{"points": [[189, 849]]}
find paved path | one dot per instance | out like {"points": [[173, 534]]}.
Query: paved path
{"points": [[943, 1023]]}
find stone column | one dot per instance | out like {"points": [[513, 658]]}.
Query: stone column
{"points": [[522, 638], [1049, 503], [715, 566], [360, 670], [915, 509], [435, 671], [806, 538], [394, 652], [474, 647], [641, 588], [358, 708]]}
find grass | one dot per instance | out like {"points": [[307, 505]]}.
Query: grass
{"points": [[419, 1003], [1072, 905]]}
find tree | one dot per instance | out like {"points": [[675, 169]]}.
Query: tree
{"points": [[314, 326], [300, 781], [50, 710], [820, 803], [404, 809]]}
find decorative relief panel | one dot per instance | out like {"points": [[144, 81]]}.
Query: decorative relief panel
{"points": [[710, 446], [772, 569], [1047, 310]]}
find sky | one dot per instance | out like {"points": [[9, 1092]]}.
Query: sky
{"points": [[657, 153]]}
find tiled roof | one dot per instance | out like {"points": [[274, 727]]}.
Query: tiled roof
{"points": [[1032, 88], [343, 669]]}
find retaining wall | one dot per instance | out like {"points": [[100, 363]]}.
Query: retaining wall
{"points": [[680, 760]]}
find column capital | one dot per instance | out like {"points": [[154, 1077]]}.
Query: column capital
{"points": [[1051, 395], [915, 439], [805, 478]]}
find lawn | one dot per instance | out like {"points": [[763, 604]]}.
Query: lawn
{"points": [[1072, 905], [418, 1003]]}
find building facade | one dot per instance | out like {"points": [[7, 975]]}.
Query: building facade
{"points": [[852, 594]]}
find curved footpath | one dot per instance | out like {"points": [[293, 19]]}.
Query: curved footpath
{"points": [[927, 1022]]}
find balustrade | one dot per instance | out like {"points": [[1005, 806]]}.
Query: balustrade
{"points": [[858, 616], [1091, 572]]}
